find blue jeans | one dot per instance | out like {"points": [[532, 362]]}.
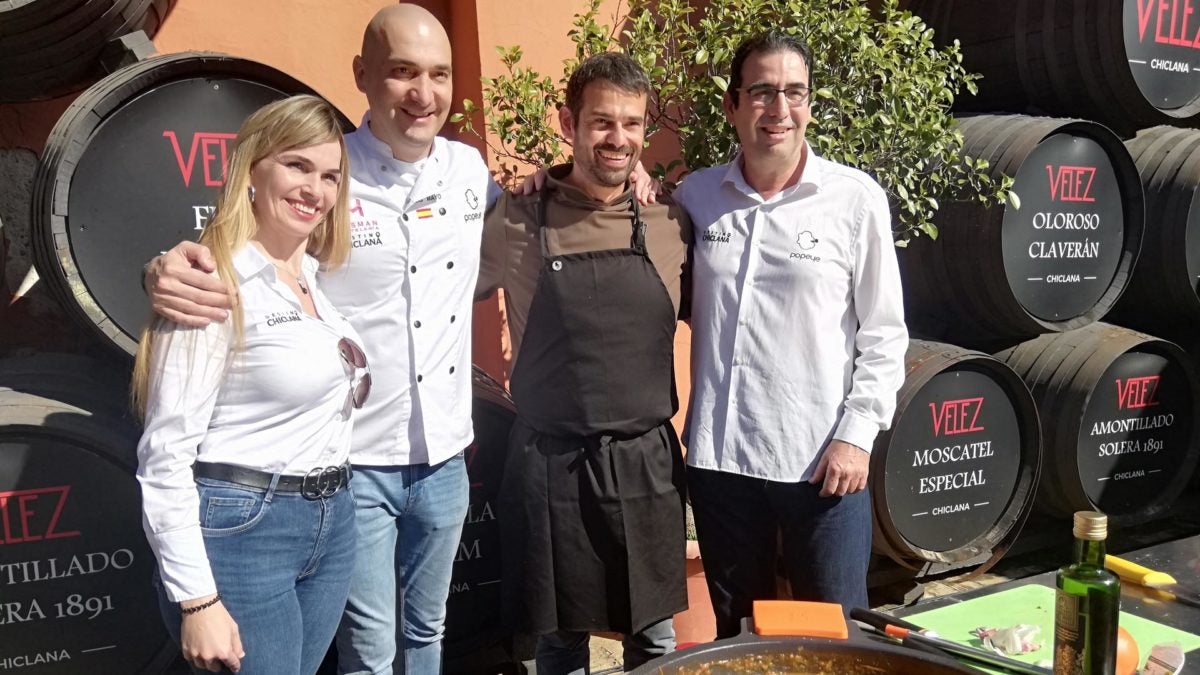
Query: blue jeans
{"points": [[282, 564], [566, 652], [410, 520], [739, 520]]}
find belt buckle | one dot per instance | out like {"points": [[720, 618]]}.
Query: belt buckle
{"points": [[322, 482]]}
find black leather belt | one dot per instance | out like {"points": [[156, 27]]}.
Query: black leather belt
{"points": [[318, 483]]}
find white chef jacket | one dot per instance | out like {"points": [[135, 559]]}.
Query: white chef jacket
{"points": [[277, 405], [408, 290], [798, 329]]}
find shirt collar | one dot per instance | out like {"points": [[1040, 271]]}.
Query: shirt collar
{"points": [[249, 262], [383, 151], [812, 175], [556, 179]]}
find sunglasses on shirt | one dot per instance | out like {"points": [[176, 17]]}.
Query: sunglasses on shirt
{"points": [[353, 355]]}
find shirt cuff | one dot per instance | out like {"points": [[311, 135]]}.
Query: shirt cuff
{"points": [[183, 565], [856, 430]]}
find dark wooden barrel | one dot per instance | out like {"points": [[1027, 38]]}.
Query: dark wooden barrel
{"points": [[954, 478], [1057, 263], [51, 47], [74, 564], [132, 168], [1163, 295], [474, 626], [1119, 412], [1129, 64]]}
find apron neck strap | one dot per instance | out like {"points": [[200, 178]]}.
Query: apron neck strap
{"points": [[637, 239]]}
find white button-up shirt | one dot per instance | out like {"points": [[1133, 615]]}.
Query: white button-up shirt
{"points": [[277, 405], [798, 330], [408, 290]]}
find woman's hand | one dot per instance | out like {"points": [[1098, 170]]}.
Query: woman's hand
{"points": [[210, 637]]}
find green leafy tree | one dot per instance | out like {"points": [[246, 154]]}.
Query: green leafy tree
{"points": [[881, 98]]}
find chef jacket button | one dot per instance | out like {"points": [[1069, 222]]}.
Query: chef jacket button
{"points": [[413, 269], [383, 167], [417, 324], [419, 378], [439, 183], [404, 217], [451, 370], [441, 212], [451, 318], [556, 265], [450, 265]]}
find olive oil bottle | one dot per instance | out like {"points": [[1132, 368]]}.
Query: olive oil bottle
{"points": [[1087, 604]]}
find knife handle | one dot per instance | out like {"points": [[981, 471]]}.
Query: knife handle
{"points": [[1137, 574], [879, 621]]}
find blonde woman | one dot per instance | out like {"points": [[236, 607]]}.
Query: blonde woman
{"points": [[243, 462]]}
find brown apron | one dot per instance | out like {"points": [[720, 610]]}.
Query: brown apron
{"points": [[592, 501]]}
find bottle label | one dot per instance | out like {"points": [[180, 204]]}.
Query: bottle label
{"points": [[1070, 633]]}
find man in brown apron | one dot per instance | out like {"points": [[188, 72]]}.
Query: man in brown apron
{"points": [[592, 499]]}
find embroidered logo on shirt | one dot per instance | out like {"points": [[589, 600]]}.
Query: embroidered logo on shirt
{"points": [[279, 318], [715, 237], [371, 237], [806, 241], [472, 199], [364, 231], [424, 213]]}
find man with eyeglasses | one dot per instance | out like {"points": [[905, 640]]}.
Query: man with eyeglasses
{"points": [[798, 345]]}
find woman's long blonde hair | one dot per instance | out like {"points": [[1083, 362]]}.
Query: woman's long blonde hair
{"points": [[295, 122]]}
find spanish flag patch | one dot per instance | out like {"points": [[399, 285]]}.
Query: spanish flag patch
{"points": [[424, 213]]}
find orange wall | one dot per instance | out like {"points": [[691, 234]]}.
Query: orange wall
{"points": [[305, 38]]}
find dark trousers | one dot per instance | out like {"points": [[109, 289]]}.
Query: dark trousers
{"points": [[739, 520]]}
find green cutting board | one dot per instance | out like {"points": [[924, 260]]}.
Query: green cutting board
{"points": [[1034, 604]]}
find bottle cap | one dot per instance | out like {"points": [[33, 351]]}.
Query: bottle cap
{"points": [[1091, 525]]}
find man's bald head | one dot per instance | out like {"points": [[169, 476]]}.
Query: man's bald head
{"points": [[401, 22], [404, 70]]}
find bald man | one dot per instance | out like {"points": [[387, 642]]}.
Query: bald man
{"points": [[417, 204]]}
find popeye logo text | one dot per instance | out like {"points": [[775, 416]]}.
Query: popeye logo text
{"points": [[1138, 392], [951, 417], [33, 515], [213, 149], [1174, 22], [1071, 183]]}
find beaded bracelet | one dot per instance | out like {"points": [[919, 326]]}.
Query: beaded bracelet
{"points": [[201, 606]]}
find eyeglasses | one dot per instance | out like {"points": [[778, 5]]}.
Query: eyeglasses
{"points": [[762, 95], [354, 357]]}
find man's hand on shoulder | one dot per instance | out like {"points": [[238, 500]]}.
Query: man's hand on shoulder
{"points": [[182, 288], [843, 468], [645, 188]]}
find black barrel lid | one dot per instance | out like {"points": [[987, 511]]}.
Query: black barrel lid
{"points": [[954, 459], [1162, 44], [1063, 246], [75, 568], [131, 169]]}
